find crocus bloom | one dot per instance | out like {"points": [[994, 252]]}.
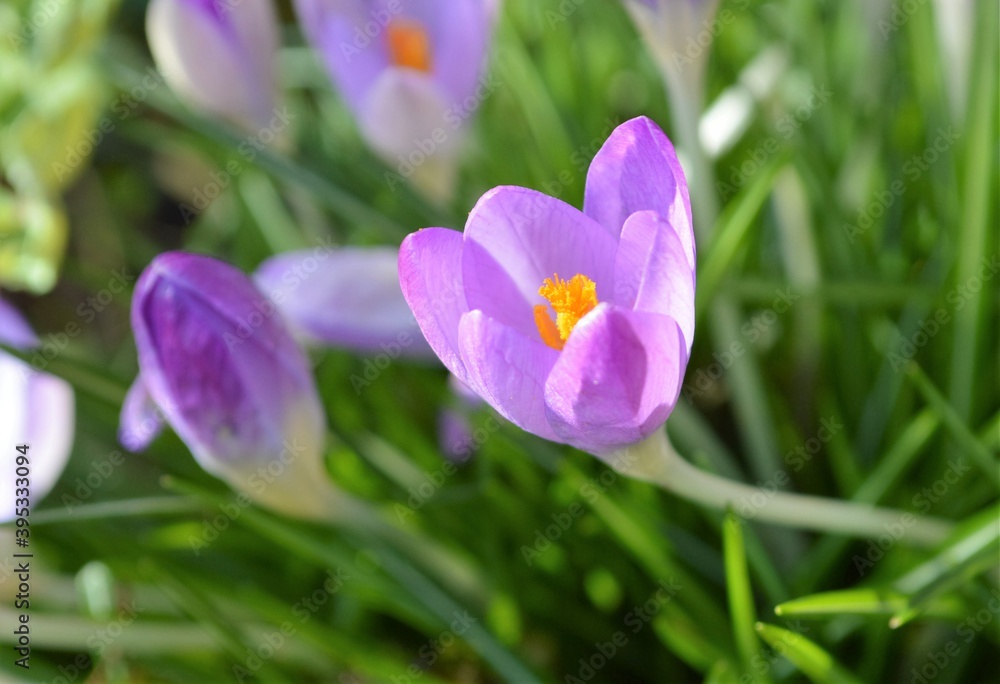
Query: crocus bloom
{"points": [[343, 297], [217, 362], [576, 326], [410, 70], [37, 410], [218, 55]]}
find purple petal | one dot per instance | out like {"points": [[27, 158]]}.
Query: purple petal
{"points": [[617, 379], [508, 369], [14, 330], [347, 297], [515, 238], [459, 36], [652, 271], [218, 57], [341, 31], [141, 420], [216, 358], [36, 409], [431, 279], [637, 170]]}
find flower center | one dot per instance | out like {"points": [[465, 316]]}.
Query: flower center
{"points": [[409, 45], [571, 300]]}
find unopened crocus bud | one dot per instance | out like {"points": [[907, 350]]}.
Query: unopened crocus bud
{"points": [[216, 360], [36, 414], [218, 56]]}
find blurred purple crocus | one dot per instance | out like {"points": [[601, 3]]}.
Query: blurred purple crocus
{"points": [[605, 371], [217, 362], [412, 71], [218, 56], [344, 297], [37, 410]]}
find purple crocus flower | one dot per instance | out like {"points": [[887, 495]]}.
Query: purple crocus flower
{"points": [[37, 410], [410, 70], [217, 362], [344, 297], [619, 276], [218, 55]]}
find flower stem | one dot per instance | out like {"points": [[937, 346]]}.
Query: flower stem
{"points": [[655, 460]]}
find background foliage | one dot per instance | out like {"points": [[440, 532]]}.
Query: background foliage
{"points": [[831, 203]]}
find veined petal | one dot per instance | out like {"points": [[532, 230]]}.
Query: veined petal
{"points": [[347, 297], [652, 272], [617, 379], [217, 360], [508, 369], [430, 276], [636, 170], [515, 238]]}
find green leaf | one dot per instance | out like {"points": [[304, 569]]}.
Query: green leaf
{"points": [[972, 548], [980, 455], [741, 605], [806, 655], [731, 231]]}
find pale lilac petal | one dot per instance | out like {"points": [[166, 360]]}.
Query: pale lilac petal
{"points": [[430, 276], [14, 330], [218, 59], [403, 118], [37, 410], [345, 297], [515, 238], [652, 271], [508, 369], [637, 170], [141, 420], [617, 379], [349, 37]]}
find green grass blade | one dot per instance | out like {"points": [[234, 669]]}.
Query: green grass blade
{"points": [[742, 612], [806, 655], [979, 454]]}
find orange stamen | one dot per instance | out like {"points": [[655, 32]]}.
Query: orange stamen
{"points": [[571, 300], [409, 45]]}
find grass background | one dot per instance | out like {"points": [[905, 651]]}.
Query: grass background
{"points": [[360, 607]]}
